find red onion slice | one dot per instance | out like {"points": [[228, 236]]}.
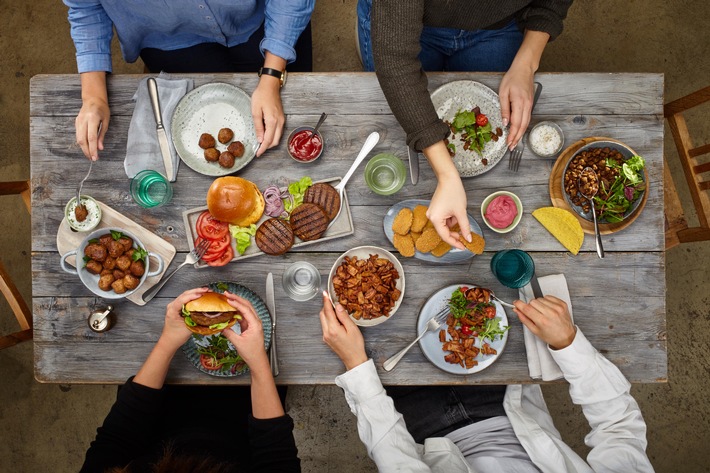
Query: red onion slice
{"points": [[274, 205]]}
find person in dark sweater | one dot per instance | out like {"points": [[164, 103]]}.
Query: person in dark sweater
{"points": [[152, 427], [400, 40]]}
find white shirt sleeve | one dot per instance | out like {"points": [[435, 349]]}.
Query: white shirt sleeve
{"points": [[618, 436]]}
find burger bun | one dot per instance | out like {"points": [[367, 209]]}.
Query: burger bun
{"points": [[235, 200]]}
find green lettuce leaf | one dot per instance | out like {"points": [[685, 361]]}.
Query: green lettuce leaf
{"points": [[189, 321], [242, 235], [298, 191]]}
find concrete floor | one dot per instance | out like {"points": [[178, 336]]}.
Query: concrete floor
{"points": [[48, 427]]}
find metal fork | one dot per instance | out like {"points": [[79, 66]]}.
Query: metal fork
{"points": [[432, 325], [516, 154], [191, 258]]}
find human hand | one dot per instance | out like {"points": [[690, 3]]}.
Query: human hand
{"points": [[249, 343], [267, 112], [448, 207], [341, 334], [516, 97], [91, 126], [549, 319], [175, 332]]}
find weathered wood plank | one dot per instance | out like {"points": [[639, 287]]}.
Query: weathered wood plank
{"points": [[360, 93]]}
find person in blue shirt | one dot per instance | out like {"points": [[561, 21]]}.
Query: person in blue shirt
{"points": [[185, 36]]}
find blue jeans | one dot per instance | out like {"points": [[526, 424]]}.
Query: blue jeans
{"points": [[434, 411], [448, 49]]}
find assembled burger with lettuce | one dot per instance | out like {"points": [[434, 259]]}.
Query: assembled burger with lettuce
{"points": [[209, 314]]}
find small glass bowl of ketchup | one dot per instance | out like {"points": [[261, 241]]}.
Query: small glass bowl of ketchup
{"points": [[303, 147]]}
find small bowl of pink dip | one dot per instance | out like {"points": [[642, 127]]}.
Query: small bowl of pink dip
{"points": [[502, 211]]}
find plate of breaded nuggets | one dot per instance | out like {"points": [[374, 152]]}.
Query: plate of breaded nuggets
{"points": [[413, 234]]}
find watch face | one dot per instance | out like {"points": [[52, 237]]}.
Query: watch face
{"points": [[284, 74]]}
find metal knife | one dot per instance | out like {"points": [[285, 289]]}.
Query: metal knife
{"points": [[537, 292], [160, 129], [271, 305], [413, 164]]}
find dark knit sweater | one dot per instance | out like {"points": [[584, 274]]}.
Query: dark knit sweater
{"points": [[396, 26]]}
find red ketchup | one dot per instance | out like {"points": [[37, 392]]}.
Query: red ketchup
{"points": [[305, 147]]}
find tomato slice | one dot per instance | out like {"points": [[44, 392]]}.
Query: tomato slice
{"points": [[225, 258], [210, 228], [216, 246], [490, 312], [209, 363]]}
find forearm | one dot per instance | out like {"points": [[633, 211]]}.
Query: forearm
{"points": [[531, 50], [265, 401], [153, 372], [93, 86], [441, 162]]}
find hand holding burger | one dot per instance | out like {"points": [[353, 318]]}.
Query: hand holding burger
{"points": [[175, 333], [250, 342], [209, 314]]}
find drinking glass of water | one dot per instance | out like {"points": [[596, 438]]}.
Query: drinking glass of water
{"points": [[301, 281], [151, 189], [385, 174]]}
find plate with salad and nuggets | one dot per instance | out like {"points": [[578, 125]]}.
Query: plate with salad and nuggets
{"points": [[413, 234], [472, 111], [475, 332]]}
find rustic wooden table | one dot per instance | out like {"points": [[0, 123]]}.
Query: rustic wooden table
{"points": [[619, 302]]}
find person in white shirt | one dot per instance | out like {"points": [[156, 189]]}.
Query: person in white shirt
{"points": [[521, 436]]}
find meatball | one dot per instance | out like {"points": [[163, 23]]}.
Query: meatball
{"points": [[105, 282], [207, 141], [95, 252], [109, 263], [130, 282], [129, 253], [236, 148], [81, 212], [94, 267], [115, 249], [123, 262], [105, 239], [226, 159], [225, 135], [118, 274], [212, 154], [106, 271], [137, 268], [118, 286], [127, 242]]}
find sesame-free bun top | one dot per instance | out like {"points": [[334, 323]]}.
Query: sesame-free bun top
{"points": [[235, 200], [210, 302]]}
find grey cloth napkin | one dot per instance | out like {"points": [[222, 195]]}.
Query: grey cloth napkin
{"points": [[540, 362], [142, 148]]}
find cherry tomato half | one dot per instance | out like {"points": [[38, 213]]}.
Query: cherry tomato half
{"points": [[466, 330], [481, 119], [209, 363], [210, 228], [225, 258], [490, 311]]}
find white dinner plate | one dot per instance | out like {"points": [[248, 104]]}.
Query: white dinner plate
{"points": [[207, 109], [465, 95], [453, 256], [431, 346]]}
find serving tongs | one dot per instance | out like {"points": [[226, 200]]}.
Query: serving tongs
{"points": [[370, 143]]}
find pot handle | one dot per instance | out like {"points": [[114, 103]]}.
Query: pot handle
{"points": [[63, 263], [160, 264]]}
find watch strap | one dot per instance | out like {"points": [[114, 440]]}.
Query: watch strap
{"points": [[280, 75]]}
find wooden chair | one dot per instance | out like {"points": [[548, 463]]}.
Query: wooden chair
{"points": [[7, 286], [677, 230]]}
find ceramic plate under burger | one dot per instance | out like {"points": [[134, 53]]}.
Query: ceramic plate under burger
{"points": [[627, 153], [364, 252], [208, 109], [465, 95], [193, 343], [454, 255], [431, 346]]}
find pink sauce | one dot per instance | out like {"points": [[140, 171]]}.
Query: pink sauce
{"points": [[501, 211], [305, 147]]}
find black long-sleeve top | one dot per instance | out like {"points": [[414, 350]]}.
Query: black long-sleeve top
{"points": [[196, 420]]}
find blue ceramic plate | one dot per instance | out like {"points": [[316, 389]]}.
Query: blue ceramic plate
{"points": [[190, 347]]}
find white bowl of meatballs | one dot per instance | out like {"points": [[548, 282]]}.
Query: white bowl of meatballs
{"points": [[112, 263]]}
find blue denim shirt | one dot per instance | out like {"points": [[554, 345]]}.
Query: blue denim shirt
{"points": [[177, 24]]}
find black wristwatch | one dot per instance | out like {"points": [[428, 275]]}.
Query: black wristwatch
{"points": [[280, 75]]}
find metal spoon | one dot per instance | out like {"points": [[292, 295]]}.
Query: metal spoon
{"points": [[370, 143], [78, 189], [589, 173], [322, 118]]}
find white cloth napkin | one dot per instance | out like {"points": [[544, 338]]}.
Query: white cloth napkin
{"points": [[540, 362], [142, 148]]}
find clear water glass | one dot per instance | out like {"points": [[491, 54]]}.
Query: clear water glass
{"points": [[385, 174], [513, 268], [151, 189], [301, 281]]}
